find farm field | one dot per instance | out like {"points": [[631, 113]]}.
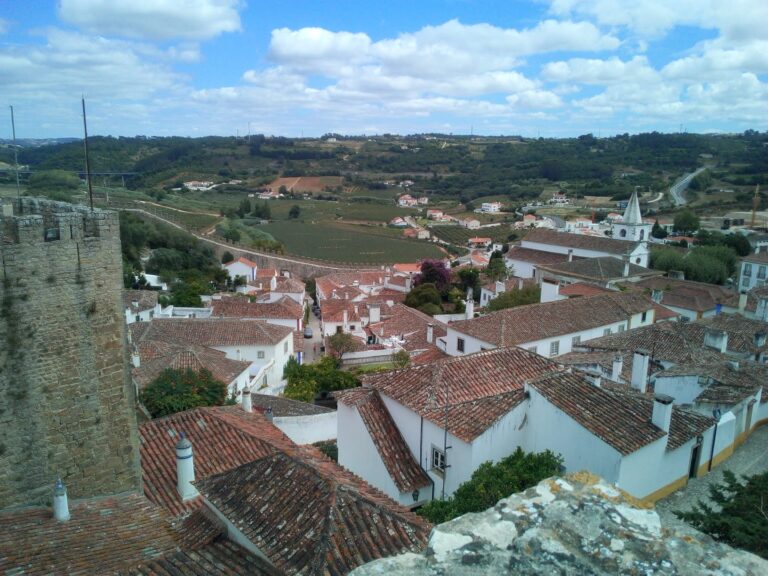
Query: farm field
{"points": [[307, 183], [458, 236], [322, 210], [348, 243]]}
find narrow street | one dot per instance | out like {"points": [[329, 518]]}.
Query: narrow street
{"points": [[749, 459]]}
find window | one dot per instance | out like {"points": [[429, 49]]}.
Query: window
{"points": [[642, 234], [352, 328], [554, 348], [260, 354], [533, 349], [644, 316], [623, 233], [460, 344], [622, 327], [285, 346], [747, 270], [338, 329], [575, 341], [438, 460], [607, 332], [761, 272]]}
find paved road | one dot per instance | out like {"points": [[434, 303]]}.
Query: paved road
{"points": [[312, 346], [677, 189], [750, 458]]}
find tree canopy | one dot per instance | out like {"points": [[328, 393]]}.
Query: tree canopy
{"points": [[739, 516], [424, 297], [512, 298], [178, 390], [686, 222], [434, 272], [492, 482], [306, 381], [497, 269]]}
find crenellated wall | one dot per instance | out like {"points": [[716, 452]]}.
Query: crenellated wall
{"points": [[66, 407]]}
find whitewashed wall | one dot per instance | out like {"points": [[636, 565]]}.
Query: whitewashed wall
{"points": [[310, 428], [280, 353]]}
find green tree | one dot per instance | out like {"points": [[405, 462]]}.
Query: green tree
{"points": [[686, 222], [739, 516], [178, 390], [227, 257], [341, 343], [56, 184], [496, 269], [468, 278], [657, 231], [434, 272], [423, 294], [401, 359], [294, 212], [301, 388], [244, 208], [492, 482], [512, 298]]}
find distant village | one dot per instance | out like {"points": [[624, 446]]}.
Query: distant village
{"points": [[641, 377]]}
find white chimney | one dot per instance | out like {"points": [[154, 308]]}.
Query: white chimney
{"points": [[246, 401], [639, 379], [616, 367], [500, 287], [759, 339], [593, 377], [374, 313], [762, 309], [185, 468], [430, 332], [742, 302], [273, 283], [657, 295], [60, 501], [519, 283], [408, 283], [625, 273], [356, 310], [345, 320], [716, 339], [570, 255], [268, 414], [470, 306], [662, 411]]}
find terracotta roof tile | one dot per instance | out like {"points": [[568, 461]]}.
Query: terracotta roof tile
{"points": [[143, 299], [312, 517], [725, 382], [600, 269], [222, 438], [480, 387], [534, 256], [522, 324], [390, 444], [578, 289], [211, 332], [239, 307], [285, 406], [698, 296], [566, 239]]}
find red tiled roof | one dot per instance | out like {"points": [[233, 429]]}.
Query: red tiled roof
{"points": [[663, 313], [568, 240], [339, 280], [243, 260], [480, 387], [686, 294], [602, 269], [409, 323], [144, 299], [222, 438], [534, 256], [390, 444], [533, 322], [188, 357], [211, 332], [583, 289], [620, 419], [409, 268], [333, 310], [266, 272], [239, 307], [102, 536], [310, 516]]}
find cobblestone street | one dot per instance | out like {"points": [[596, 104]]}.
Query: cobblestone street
{"points": [[749, 459]]}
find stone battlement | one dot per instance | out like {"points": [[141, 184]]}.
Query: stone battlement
{"points": [[33, 220]]}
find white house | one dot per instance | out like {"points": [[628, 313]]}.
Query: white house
{"points": [[283, 312], [266, 346], [583, 246], [524, 262], [752, 273], [494, 289], [436, 424], [242, 267], [551, 328], [140, 305], [490, 207]]}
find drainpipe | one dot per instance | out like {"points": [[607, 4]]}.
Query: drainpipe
{"points": [[716, 413]]}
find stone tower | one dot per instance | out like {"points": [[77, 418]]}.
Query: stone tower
{"points": [[66, 404], [632, 226]]}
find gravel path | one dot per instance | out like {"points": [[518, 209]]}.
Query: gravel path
{"points": [[750, 458]]}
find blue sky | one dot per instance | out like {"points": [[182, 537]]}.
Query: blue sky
{"points": [[293, 67]]}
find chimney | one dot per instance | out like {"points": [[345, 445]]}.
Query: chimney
{"points": [[616, 367], [593, 377], [374, 313], [268, 414], [430, 332], [519, 283], [470, 306], [500, 287], [657, 295], [662, 411], [273, 283], [60, 502], [247, 402], [762, 309], [357, 311], [408, 283], [716, 339], [386, 280], [625, 273], [570, 255], [185, 468], [742, 302], [676, 274], [759, 339], [639, 379], [345, 319]]}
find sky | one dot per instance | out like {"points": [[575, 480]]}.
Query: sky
{"points": [[551, 68]]}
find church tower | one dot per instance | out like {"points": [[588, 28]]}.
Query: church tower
{"points": [[632, 226]]}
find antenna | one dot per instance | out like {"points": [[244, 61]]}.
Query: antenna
{"points": [[755, 204], [87, 160], [16, 157]]}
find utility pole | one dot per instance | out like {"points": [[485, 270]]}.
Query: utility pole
{"points": [[15, 157], [87, 159]]}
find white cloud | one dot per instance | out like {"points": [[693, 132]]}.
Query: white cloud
{"points": [[154, 19], [601, 72], [4, 26]]}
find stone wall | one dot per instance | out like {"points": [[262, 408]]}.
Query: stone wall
{"points": [[570, 526], [66, 406]]}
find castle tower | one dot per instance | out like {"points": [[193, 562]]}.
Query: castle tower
{"points": [[66, 403], [632, 226]]}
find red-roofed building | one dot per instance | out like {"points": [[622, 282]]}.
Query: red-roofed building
{"points": [[242, 267]]}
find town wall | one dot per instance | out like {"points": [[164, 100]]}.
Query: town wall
{"points": [[66, 404]]}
